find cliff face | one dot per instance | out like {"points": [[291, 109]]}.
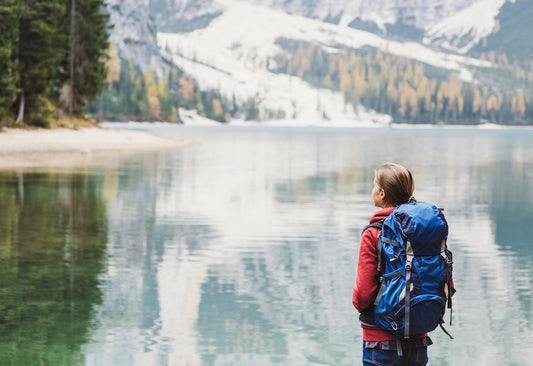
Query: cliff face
{"points": [[134, 34], [175, 16], [136, 23]]}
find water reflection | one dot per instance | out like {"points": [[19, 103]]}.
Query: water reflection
{"points": [[242, 249], [245, 246], [52, 251], [311, 220], [510, 206]]}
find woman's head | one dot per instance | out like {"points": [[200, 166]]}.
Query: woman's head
{"points": [[393, 185]]}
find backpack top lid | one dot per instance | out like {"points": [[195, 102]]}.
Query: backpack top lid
{"points": [[422, 223]]}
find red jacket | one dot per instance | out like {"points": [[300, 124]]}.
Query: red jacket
{"points": [[367, 279]]}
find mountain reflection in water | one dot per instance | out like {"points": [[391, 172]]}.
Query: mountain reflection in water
{"points": [[242, 249]]}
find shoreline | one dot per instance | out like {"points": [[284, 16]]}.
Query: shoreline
{"points": [[204, 122], [20, 148]]}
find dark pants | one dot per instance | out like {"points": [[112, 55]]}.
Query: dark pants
{"points": [[414, 356]]}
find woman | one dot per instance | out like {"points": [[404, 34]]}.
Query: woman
{"points": [[393, 186]]}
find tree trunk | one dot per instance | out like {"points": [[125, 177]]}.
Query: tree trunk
{"points": [[20, 116], [71, 86], [101, 106]]}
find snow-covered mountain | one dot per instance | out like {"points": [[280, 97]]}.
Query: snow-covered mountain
{"points": [[416, 13], [230, 45], [235, 54], [461, 30], [454, 24]]}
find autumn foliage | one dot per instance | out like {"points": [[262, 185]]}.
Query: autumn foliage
{"points": [[414, 92]]}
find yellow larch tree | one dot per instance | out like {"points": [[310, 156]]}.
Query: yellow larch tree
{"points": [[218, 111], [186, 88]]}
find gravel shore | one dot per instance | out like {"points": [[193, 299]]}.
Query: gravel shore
{"points": [[38, 148]]}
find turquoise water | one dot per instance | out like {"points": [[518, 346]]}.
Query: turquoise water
{"points": [[241, 250]]}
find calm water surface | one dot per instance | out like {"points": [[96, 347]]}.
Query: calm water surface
{"points": [[242, 249]]}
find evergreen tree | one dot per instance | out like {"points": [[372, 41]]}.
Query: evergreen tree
{"points": [[39, 52], [86, 56], [10, 14]]}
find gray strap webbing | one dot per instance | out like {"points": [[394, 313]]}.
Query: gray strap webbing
{"points": [[443, 251], [380, 293], [390, 241], [399, 347], [394, 275], [407, 301], [408, 266], [380, 249], [378, 225]]}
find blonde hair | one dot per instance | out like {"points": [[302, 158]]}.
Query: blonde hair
{"points": [[397, 182]]}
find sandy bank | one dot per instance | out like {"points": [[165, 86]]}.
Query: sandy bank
{"points": [[37, 148]]}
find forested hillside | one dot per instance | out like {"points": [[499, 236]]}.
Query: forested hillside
{"points": [[53, 58], [375, 77], [135, 95], [414, 92], [512, 33]]}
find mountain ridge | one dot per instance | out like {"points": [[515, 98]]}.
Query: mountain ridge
{"points": [[236, 50], [455, 25]]}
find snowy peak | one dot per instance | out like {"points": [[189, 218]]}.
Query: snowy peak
{"points": [[454, 24], [466, 28]]}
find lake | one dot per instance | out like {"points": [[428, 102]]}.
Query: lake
{"points": [[242, 249]]}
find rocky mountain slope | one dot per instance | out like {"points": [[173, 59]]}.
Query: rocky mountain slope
{"points": [[236, 46], [134, 34], [456, 25]]}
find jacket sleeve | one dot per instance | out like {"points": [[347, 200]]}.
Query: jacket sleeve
{"points": [[367, 278]]}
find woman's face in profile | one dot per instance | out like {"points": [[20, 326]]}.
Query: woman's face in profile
{"points": [[378, 195]]}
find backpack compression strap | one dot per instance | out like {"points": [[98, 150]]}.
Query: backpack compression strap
{"points": [[409, 255], [448, 287]]}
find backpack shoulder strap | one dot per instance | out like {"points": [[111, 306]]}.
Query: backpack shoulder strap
{"points": [[377, 224]]}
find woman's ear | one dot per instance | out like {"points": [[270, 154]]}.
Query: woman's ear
{"points": [[382, 194]]}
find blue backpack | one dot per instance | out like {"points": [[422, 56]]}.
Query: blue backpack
{"points": [[416, 283]]}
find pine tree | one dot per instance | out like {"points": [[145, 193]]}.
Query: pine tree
{"points": [[39, 52], [9, 14], [477, 104], [86, 53], [492, 104]]}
